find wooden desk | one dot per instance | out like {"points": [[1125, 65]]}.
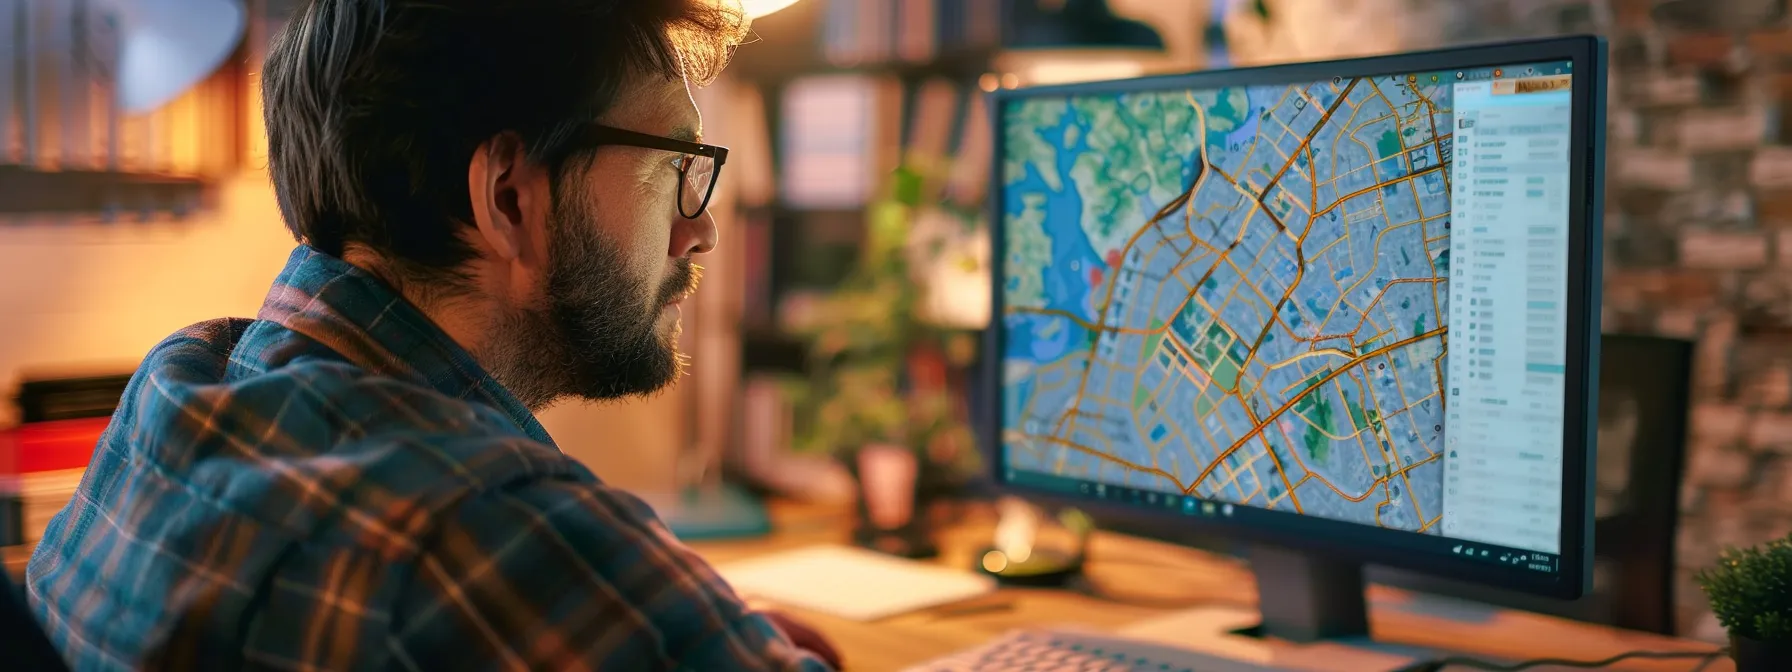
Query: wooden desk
{"points": [[1144, 579], [1147, 579]]}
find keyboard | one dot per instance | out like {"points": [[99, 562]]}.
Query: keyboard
{"points": [[1069, 650]]}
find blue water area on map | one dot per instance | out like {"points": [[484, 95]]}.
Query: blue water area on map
{"points": [[1239, 137], [1046, 338]]}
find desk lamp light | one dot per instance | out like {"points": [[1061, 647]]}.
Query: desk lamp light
{"points": [[756, 9], [1022, 556], [167, 46]]}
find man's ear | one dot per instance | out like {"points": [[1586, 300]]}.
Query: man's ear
{"points": [[508, 196]]}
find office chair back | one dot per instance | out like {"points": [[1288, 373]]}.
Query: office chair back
{"points": [[21, 639], [1643, 408], [1645, 386]]}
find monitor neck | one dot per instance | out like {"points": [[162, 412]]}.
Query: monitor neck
{"points": [[1306, 598]]}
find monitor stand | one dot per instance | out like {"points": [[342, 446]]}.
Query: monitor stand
{"points": [[1312, 613], [1305, 598]]}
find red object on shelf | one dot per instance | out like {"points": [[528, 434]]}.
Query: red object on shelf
{"points": [[40, 465], [50, 446]]}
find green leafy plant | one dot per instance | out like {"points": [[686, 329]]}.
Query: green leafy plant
{"points": [[1751, 591], [861, 338]]}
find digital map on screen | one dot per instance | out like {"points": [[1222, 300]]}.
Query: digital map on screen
{"points": [[1237, 295]]}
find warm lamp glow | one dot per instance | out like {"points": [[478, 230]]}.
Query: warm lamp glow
{"points": [[1065, 72], [758, 8], [1063, 66], [995, 561]]}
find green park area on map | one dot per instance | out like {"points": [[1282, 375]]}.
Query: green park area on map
{"points": [[1237, 294]]}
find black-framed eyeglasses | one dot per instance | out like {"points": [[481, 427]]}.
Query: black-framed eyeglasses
{"points": [[699, 165]]}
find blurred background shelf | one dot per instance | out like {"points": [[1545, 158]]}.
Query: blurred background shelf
{"points": [[111, 195], [89, 127]]}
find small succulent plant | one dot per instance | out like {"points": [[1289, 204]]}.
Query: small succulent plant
{"points": [[1750, 591]]}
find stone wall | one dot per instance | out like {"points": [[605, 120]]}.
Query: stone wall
{"points": [[1698, 236]]}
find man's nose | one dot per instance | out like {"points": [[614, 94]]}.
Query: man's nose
{"points": [[693, 236]]}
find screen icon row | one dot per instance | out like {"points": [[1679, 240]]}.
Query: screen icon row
{"points": [[1187, 504]]}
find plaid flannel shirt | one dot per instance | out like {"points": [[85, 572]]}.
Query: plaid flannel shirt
{"points": [[337, 485]]}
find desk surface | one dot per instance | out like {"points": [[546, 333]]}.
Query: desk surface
{"points": [[1142, 579]]}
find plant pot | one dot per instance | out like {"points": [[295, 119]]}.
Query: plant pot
{"points": [[1757, 656], [890, 514]]}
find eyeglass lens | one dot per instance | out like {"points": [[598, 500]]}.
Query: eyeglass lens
{"points": [[699, 178]]}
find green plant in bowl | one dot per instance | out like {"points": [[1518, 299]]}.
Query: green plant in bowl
{"points": [[1750, 590]]}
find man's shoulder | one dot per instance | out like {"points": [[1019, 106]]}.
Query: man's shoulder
{"points": [[223, 474], [318, 439]]}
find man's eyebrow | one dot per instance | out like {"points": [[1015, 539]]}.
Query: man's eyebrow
{"points": [[685, 133]]}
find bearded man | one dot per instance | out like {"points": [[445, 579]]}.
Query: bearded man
{"points": [[498, 205]]}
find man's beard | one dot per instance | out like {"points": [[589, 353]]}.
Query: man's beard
{"points": [[597, 337]]}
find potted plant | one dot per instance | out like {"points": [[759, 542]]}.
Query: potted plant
{"points": [[879, 394], [1750, 591]]}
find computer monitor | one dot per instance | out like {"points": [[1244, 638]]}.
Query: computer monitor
{"points": [[1345, 312]]}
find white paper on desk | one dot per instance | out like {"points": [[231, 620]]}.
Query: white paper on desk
{"points": [[852, 583]]}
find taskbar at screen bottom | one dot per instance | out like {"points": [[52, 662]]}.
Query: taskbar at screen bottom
{"points": [[1247, 516]]}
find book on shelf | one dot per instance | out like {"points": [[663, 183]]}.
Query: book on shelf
{"points": [[43, 459], [758, 294], [41, 465], [749, 135], [930, 122], [868, 32], [840, 134], [968, 182]]}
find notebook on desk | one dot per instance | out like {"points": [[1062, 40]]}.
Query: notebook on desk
{"points": [[852, 583]]}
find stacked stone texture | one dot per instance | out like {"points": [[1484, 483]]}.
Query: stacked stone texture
{"points": [[1698, 236]]}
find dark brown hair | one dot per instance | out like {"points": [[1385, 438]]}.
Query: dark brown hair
{"points": [[375, 107]]}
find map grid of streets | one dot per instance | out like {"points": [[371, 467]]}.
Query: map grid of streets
{"points": [[1238, 295]]}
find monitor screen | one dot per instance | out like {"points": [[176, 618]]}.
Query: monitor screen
{"points": [[1341, 300]]}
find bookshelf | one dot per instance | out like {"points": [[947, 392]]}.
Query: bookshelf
{"points": [[844, 94], [849, 90]]}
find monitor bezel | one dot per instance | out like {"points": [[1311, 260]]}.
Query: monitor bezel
{"points": [[1351, 541]]}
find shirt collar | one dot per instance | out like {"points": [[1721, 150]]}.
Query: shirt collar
{"points": [[358, 316]]}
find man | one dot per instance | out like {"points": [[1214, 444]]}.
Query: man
{"points": [[498, 205]]}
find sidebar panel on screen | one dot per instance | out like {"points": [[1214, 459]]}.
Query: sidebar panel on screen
{"points": [[1508, 311]]}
